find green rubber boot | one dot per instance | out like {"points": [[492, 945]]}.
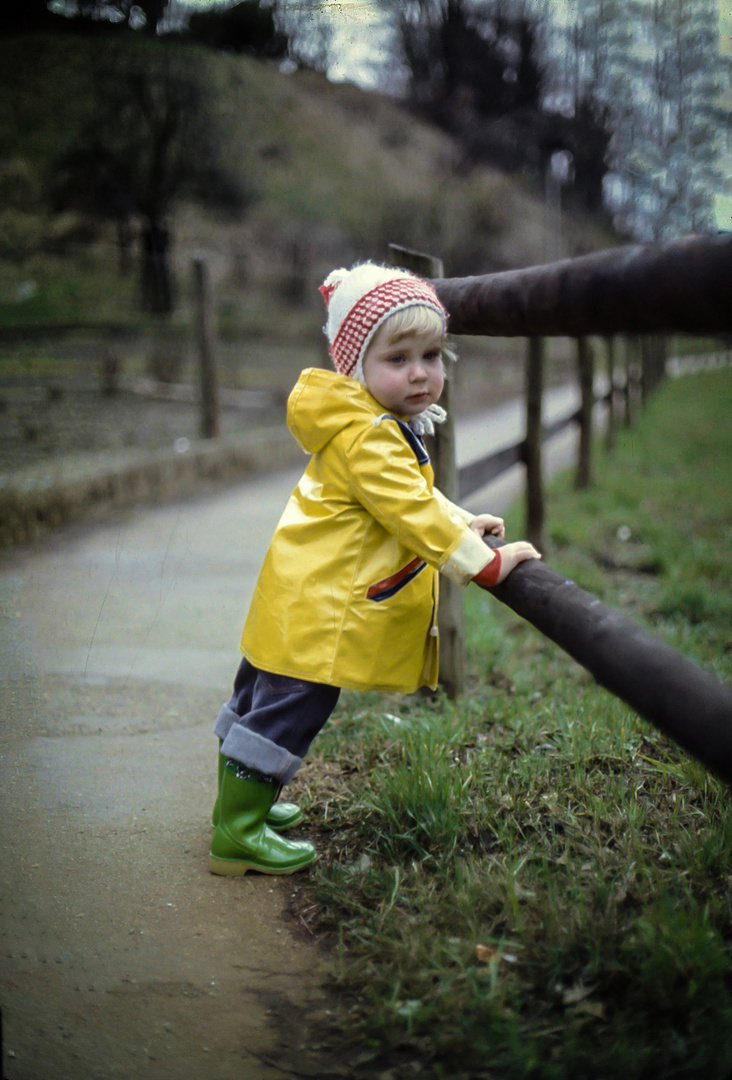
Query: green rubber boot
{"points": [[242, 840], [282, 815]]}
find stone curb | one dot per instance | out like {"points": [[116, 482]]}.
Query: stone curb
{"points": [[71, 490]]}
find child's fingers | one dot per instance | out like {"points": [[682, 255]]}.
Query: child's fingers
{"points": [[528, 551]]}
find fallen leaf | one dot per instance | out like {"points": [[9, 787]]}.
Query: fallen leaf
{"points": [[576, 993], [485, 954], [592, 1008]]}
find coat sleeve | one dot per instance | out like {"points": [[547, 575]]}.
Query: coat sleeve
{"points": [[453, 508], [386, 479]]}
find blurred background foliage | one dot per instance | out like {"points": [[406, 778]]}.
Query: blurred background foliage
{"points": [[125, 151], [496, 135]]}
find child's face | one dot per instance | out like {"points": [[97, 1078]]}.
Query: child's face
{"points": [[407, 375]]}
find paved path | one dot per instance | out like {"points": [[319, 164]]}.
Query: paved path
{"points": [[120, 955]]}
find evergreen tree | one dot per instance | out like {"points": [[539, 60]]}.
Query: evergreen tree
{"points": [[469, 58], [675, 151], [244, 27], [647, 73]]}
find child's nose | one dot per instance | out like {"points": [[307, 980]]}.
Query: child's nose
{"points": [[419, 371]]}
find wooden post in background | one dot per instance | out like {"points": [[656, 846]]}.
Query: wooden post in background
{"points": [[204, 319], [629, 343], [658, 359], [451, 615], [653, 364], [532, 446], [585, 366], [610, 429], [645, 370]]}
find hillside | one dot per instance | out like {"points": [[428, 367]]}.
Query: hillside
{"points": [[337, 173]]}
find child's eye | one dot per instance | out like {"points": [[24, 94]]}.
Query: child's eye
{"points": [[432, 354], [398, 359]]}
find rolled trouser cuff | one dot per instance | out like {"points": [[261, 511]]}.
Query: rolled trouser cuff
{"points": [[226, 718], [256, 752]]}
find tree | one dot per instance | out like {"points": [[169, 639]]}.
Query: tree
{"points": [[460, 52], [151, 138], [589, 137], [474, 67], [244, 27], [134, 13], [676, 152], [29, 15], [640, 80], [308, 31], [631, 88]]}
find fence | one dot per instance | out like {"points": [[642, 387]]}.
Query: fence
{"points": [[682, 286]]}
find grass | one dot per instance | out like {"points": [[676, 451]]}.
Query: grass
{"points": [[533, 882]]}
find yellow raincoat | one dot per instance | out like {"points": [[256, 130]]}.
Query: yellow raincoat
{"points": [[347, 594]]}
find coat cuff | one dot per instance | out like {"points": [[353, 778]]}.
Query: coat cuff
{"points": [[468, 559]]}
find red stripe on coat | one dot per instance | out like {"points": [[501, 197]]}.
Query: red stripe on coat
{"points": [[390, 582]]}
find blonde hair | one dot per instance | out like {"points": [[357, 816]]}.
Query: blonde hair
{"points": [[417, 319]]}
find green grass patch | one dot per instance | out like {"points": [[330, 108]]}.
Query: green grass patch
{"points": [[533, 882]]}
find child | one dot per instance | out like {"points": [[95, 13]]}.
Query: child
{"points": [[347, 595]]}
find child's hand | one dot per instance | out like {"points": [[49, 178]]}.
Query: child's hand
{"points": [[513, 554], [487, 523], [505, 559]]}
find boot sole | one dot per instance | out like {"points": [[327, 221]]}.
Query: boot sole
{"points": [[239, 867]]}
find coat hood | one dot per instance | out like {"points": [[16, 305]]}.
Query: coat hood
{"points": [[323, 403]]}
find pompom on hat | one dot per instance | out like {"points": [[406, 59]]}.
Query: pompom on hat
{"points": [[360, 300]]}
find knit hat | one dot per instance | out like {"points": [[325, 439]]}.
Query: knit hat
{"points": [[359, 300]]}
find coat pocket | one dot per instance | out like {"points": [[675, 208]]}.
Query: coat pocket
{"points": [[387, 587]]}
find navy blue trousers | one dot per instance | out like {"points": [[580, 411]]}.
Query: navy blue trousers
{"points": [[270, 720]]}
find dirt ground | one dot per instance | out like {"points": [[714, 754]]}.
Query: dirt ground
{"points": [[53, 409], [44, 419]]}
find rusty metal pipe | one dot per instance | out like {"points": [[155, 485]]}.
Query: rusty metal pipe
{"points": [[681, 286], [661, 685]]}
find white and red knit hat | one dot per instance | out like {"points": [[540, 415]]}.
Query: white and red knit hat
{"points": [[358, 302]]}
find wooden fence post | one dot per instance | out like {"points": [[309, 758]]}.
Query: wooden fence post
{"points": [[653, 363], [204, 318], [451, 616], [585, 365], [610, 429], [532, 446], [630, 350], [645, 370], [658, 359]]}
